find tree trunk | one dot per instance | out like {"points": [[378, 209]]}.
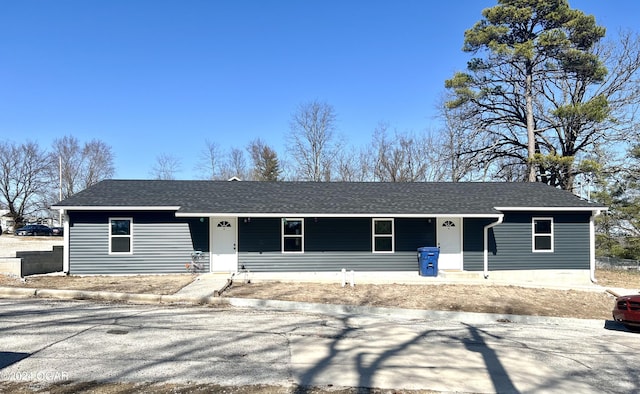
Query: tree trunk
{"points": [[531, 136]]}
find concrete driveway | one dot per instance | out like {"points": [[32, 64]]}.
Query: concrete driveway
{"points": [[49, 341], [10, 244]]}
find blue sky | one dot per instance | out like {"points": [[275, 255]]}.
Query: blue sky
{"points": [[151, 77]]}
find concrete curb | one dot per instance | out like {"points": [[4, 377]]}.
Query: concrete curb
{"points": [[293, 306], [13, 292], [97, 295], [180, 299], [20, 292], [410, 314]]}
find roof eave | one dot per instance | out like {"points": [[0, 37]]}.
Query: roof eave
{"points": [[552, 209], [334, 215], [115, 208]]}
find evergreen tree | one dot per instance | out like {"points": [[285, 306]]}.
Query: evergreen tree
{"points": [[534, 50], [266, 166]]}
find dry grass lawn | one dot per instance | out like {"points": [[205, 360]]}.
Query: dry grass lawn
{"points": [[447, 297], [443, 297], [135, 284]]}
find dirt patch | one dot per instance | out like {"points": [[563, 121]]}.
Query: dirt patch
{"points": [[453, 297], [443, 297], [135, 284], [628, 279]]}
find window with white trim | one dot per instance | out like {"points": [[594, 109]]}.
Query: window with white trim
{"points": [[542, 234], [292, 235], [120, 235], [383, 241]]}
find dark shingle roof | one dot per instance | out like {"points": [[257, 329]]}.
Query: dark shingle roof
{"points": [[340, 198]]}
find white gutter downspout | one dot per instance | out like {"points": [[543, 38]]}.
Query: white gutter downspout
{"points": [[486, 244], [66, 250], [592, 245]]}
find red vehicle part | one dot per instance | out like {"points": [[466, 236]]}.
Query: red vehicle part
{"points": [[627, 311]]}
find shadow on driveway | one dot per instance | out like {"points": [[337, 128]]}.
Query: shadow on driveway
{"points": [[8, 358]]}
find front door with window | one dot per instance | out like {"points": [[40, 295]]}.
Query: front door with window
{"points": [[449, 235], [224, 255]]}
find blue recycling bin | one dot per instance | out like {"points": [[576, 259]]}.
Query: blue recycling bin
{"points": [[428, 260]]}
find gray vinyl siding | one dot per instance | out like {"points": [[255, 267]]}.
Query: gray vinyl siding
{"points": [[161, 244], [320, 234], [510, 243], [331, 244], [473, 243], [328, 261], [334, 234]]}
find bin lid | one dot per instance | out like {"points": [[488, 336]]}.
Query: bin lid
{"points": [[429, 249]]}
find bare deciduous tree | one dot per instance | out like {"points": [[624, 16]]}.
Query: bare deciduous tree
{"points": [[312, 142], [210, 162], [80, 166], [583, 113], [235, 165], [404, 157], [24, 178], [99, 162], [459, 147], [354, 166], [166, 167]]}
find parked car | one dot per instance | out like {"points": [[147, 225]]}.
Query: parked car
{"points": [[59, 231], [34, 229], [627, 311]]}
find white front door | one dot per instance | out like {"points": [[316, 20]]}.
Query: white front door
{"points": [[224, 254], [449, 235]]}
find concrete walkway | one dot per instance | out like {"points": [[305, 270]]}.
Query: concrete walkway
{"points": [[206, 285]]}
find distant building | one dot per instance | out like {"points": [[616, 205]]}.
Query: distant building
{"points": [[6, 221]]}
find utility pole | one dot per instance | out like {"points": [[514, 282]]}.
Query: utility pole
{"points": [[60, 177]]}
